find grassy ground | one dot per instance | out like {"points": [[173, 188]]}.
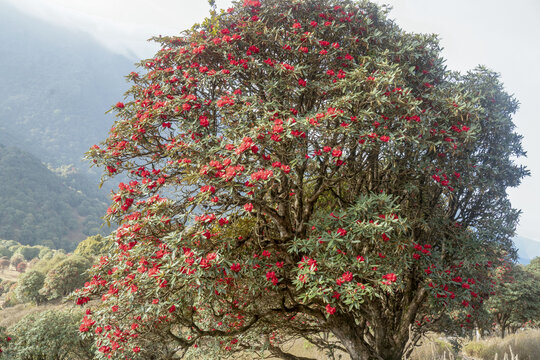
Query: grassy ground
{"points": [[9, 274]]}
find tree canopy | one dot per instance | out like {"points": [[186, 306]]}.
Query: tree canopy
{"points": [[299, 169]]}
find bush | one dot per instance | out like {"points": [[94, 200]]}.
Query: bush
{"points": [[49, 335], [28, 287], [21, 267], [4, 251], [29, 252], [11, 298], [16, 259]]}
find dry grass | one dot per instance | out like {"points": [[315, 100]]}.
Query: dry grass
{"points": [[12, 315], [9, 274], [300, 348], [525, 344], [434, 347]]}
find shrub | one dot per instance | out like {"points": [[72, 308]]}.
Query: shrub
{"points": [[49, 335], [28, 287]]}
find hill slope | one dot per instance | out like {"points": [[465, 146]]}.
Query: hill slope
{"points": [[36, 207], [528, 249], [57, 85]]}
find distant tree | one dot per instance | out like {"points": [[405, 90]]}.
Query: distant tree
{"points": [[4, 264], [50, 260], [534, 265], [44, 251], [4, 251], [16, 259], [29, 252], [21, 267], [10, 297], [302, 169], [28, 286], [49, 335], [92, 246], [516, 298]]}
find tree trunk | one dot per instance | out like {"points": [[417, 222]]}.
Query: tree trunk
{"points": [[382, 346]]}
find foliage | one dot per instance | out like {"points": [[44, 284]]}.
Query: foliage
{"points": [[5, 285], [4, 340], [92, 246], [28, 286], [4, 264], [10, 299], [302, 169], [4, 251], [65, 277], [16, 259], [29, 252], [516, 299], [21, 267], [49, 335]]}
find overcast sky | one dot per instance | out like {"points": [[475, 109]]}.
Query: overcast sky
{"points": [[500, 34]]}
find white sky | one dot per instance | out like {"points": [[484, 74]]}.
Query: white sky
{"points": [[501, 34]]}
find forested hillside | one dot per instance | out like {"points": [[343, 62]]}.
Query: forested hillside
{"points": [[37, 207], [57, 86]]}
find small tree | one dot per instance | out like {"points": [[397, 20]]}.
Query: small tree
{"points": [[326, 178], [29, 252], [28, 287], [516, 299], [16, 259], [21, 267]]}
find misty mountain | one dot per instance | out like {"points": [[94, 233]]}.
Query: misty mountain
{"points": [[56, 87], [528, 249]]}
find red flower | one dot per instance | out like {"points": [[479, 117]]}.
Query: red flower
{"points": [[172, 308], [86, 324], [255, 3], [337, 153], [302, 82], [248, 207], [203, 120], [329, 309], [120, 105], [236, 267]]}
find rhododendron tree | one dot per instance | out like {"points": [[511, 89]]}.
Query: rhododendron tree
{"points": [[300, 170]]}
